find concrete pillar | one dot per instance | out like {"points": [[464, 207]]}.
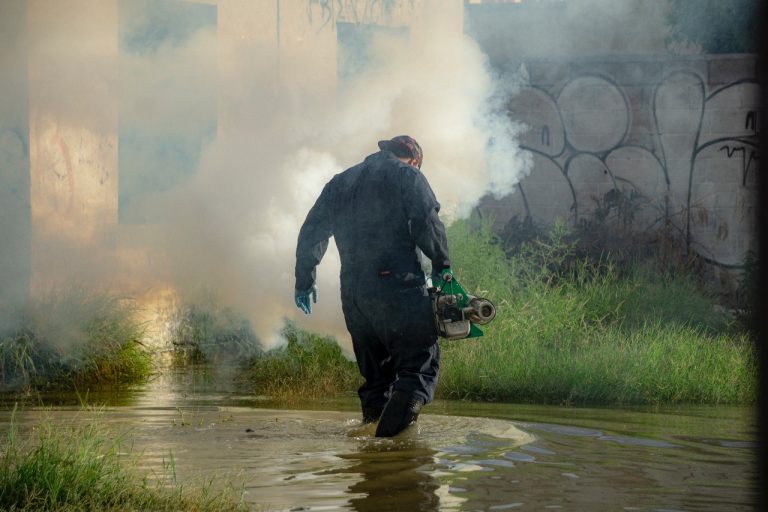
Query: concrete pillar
{"points": [[73, 135], [14, 159]]}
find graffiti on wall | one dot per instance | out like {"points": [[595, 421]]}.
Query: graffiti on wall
{"points": [[322, 13], [670, 154]]}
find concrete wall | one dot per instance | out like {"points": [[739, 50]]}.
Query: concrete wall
{"points": [[14, 158], [73, 135], [637, 142]]}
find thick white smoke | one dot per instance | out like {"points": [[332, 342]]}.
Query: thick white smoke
{"points": [[254, 190], [230, 228]]}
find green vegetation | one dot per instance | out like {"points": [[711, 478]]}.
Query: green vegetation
{"points": [[576, 330], [78, 467], [73, 340], [308, 366], [571, 327], [205, 332]]}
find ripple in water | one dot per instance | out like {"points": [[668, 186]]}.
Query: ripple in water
{"points": [[327, 460]]}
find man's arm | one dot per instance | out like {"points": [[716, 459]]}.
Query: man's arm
{"points": [[313, 242], [421, 208]]}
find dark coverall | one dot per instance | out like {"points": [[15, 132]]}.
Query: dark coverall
{"points": [[379, 212]]}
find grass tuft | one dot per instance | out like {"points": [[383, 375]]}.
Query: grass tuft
{"points": [[79, 467], [308, 366], [206, 332], [73, 340]]}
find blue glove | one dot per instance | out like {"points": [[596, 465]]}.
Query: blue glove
{"points": [[302, 299]]}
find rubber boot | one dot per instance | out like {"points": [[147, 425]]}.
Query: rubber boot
{"points": [[401, 411], [371, 414]]}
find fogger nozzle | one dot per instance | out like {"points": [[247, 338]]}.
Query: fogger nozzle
{"points": [[481, 311]]}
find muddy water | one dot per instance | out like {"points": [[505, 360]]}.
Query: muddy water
{"points": [[462, 456]]}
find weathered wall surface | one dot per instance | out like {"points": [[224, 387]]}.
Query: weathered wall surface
{"points": [[14, 157], [639, 142], [72, 131]]}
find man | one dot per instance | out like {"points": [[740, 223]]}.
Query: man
{"points": [[380, 212]]}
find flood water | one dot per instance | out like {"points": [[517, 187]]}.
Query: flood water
{"points": [[462, 456]]}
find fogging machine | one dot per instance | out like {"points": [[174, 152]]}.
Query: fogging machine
{"points": [[457, 313]]}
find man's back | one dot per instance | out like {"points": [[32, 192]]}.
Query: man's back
{"points": [[379, 211], [370, 220]]}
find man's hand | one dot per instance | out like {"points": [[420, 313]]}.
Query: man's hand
{"points": [[446, 275], [302, 299]]}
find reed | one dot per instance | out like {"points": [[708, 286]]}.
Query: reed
{"points": [[205, 332]]}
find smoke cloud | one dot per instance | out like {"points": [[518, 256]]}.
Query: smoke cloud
{"points": [[557, 29], [241, 148], [231, 228]]}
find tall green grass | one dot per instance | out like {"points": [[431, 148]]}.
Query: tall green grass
{"points": [[569, 329], [579, 331], [307, 366], [80, 467], [73, 339]]}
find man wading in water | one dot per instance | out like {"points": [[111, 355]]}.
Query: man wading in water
{"points": [[380, 212]]}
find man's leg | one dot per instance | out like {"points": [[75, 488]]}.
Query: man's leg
{"points": [[373, 361], [416, 371], [406, 325], [377, 369]]}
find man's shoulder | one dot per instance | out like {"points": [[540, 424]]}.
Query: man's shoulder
{"points": [[409, 169], [381, 162], [345, 178], [348, 173]]}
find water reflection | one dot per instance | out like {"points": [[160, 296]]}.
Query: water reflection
{"points": [[393, 475], [467, 456]]}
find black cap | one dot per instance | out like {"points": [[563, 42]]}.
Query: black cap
{"points": [[403, 146]]}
